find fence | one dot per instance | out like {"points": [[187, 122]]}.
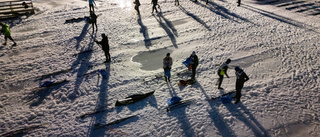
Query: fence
{"points": [[15, 8]]}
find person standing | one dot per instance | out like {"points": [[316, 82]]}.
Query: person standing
{"points": [[93, 20], [105, 47], [194, 62], [241, 79], [176, 2], [239, 2], [223, 68], [5, 30], [91, 2], [155, 3], [136, 7], [167, 63]]}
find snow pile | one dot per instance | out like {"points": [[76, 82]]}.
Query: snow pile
{"points": [[277, 47]]}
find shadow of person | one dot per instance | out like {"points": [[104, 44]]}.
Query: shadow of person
{"points": [[247, 118], [101, 103]]}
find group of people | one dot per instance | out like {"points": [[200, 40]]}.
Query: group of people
{"points": [[241, 76], [153, 2], [104, 43]]}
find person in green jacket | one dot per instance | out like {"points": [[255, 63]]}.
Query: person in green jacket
{"points": [[223, 68], [7, 33]]}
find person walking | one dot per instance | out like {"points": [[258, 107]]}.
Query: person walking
{"points": [[167, 63], [155, 3], [93, 20], [91, 7], [223, 68], [194, 62], [136, 7], [241, 79], [105, 47], [5, 30]]}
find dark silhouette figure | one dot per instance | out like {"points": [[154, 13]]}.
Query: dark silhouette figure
{"points": [[239, 2], [25, 5], [136, 7], [241, 78], [5, 30], [167, 63], [155, 3], [105, 47], [93, 21], [176, 2], [194, 64], [223, 68], [91, 2]]}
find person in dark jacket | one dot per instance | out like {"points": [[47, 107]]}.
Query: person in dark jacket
{"points": [[223, 68], [91, 7], [194, 64], [241, 79], [176, 2], [105, 47], [155, 3], [167, 63], [5, 30], [93, 21], [239, 2], [136, 7]]}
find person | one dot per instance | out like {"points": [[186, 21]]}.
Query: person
{"points": [[194, 62], [167, 63], [105, 47], [25, 5], [136, 7], [5, 30], [176, 2], [93, 20], [223, 68], [91, 2], [239, 2], [155, 3], [241, 79]]}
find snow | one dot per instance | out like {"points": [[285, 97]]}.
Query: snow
{"points": [[276, 47]]}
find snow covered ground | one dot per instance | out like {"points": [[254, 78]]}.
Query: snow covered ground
{"points": [[277, 46]]}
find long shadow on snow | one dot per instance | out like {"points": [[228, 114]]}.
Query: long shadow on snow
{"points": [[195, 17], [101, 103], [280, 18], [217, 119], [222, 11], [172, 91], [167, 29], [144, 31], [42, 94], [252, 122], [84, 65], [185, 125]]}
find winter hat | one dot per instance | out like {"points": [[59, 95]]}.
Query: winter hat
{"points": [[103, 34], [193, 53], [228, 61], [168, 54], [237, 69]]}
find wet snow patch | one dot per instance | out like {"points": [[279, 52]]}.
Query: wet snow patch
{"points": [[151, 60]]}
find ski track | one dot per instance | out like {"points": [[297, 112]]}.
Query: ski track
{"points": [[279, 54]]}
